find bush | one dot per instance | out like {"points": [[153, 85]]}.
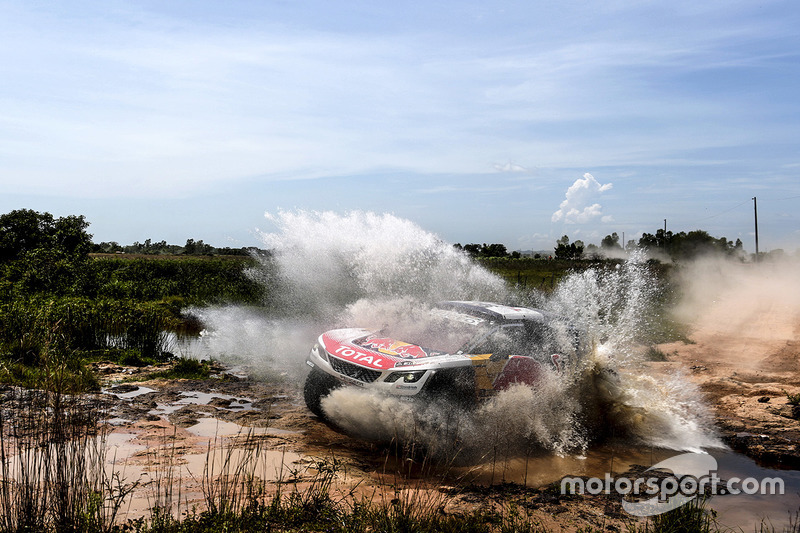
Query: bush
{"points": [[186, 369]]}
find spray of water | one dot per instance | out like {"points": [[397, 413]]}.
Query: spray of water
{"points": [[361, 269]]}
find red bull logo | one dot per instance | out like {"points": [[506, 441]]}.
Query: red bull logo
{"points": [[411, 351], [393, 347], [380, 344]]}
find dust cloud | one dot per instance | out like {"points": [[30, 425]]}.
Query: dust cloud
{"points": [[745, 311]]}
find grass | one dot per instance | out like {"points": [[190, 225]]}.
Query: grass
{"points": [[539, 274], [792, 399], [692, 517], [655, 354], [184, 368]]}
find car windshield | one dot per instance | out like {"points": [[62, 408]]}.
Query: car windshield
{"points": [[443, 331]]}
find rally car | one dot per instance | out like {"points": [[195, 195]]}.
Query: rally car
{"points": [[462, 352]]}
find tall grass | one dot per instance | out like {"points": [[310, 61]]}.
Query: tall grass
{"points": [[194, 280], [83, 325], [692, 517], [52, 475]]}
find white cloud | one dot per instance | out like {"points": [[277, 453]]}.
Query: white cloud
{"points": [[578, 207], [509, 167]]}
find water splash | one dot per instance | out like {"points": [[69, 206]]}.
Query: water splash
{"points": [[612, 305], [518, 421], [322, 262], [364, 269]]}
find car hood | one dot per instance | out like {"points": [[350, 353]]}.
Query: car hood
{"points": [[374, 350]]}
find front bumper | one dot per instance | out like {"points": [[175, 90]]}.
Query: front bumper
{"points": [[395, 381]]}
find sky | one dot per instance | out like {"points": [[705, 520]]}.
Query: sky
{"points": [[514, 122]]}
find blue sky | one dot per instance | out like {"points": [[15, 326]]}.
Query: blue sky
{"points": [[481, 121]]}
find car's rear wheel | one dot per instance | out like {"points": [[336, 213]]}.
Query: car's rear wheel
{"points": [[318, 385]]}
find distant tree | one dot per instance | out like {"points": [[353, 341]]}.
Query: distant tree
{"points": [[592, 251], [660, 241], [107, 247], [689, 245], [233, 251], [565, 250], [485, 250], [193, 247], [610, 242], [190, 248], [472, 249], [494, 250]]}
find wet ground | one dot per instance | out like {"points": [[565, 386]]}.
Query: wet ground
{"points": [[173, 430], [195, 426]]}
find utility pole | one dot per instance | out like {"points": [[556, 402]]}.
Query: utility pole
{"points": [[755, 213]]}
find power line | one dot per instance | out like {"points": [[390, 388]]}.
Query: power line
{"points": [[726, 211]]}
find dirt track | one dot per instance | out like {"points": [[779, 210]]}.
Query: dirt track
{"points": [[744, 353]]}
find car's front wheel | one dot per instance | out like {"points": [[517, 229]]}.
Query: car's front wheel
{"points": [[318, 385]]}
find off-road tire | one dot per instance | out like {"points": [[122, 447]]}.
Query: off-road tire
{"points": [[318, 385]]}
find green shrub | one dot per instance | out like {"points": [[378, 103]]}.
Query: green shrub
{"points": [[792, 399], [654, 354], [185, 368]]}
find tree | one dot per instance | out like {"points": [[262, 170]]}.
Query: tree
{"points": [[610, 242], [592, 251], [484, 250], [689, 245], [24, 230], [661, 240], [565, 250]]}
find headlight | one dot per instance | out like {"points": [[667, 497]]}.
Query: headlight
{"points": [[411, 376]]}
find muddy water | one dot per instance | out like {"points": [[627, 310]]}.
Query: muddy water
{"points": [[175, 473], [776, 509], [742, 511], [750, 510]]}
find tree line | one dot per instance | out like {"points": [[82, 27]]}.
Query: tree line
{"points": [[487, 250], [669, 245], [192, 247], [660, 245]]}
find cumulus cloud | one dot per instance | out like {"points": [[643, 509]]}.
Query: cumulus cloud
{"points": [[579, 206]]}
